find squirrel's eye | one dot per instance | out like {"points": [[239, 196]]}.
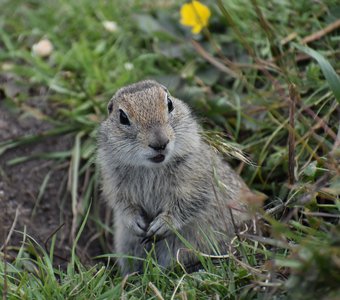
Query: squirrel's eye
{"points": [[123, 118], [170, 105]]}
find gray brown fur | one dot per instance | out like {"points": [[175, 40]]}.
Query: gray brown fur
{"points": [[192, 191]]}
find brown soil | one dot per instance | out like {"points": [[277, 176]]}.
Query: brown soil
{"points": [[20, 184]]}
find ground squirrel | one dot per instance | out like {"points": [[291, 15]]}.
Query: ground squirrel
{"points": [[162, 180]]}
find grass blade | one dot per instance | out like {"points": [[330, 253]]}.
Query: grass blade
{"points": [[328, 71], [41, 192], [75, 180]]}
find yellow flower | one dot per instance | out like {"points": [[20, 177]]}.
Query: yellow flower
{"points": [[195, 15]]}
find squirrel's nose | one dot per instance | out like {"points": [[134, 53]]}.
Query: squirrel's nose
{"points": [[159, 146]]}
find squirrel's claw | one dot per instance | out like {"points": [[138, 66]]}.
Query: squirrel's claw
{"points": [[158, 228], [139, 226], [145, 240]]}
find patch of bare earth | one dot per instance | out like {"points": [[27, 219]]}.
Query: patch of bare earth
{"points": [[20, 185]]}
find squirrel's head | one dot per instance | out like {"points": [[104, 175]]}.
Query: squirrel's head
{"points": [[146, 126]]}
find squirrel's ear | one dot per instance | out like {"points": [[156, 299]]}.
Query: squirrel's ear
{"points": [[164, 88], [109, 106]]}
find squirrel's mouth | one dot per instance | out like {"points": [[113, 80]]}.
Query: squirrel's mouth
{"points": [[158, 158]]}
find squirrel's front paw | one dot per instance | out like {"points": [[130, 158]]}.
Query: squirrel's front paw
{"points": [[159, 228], [139, 225]]}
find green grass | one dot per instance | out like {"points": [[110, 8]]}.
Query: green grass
{"points": [[241, 80]]}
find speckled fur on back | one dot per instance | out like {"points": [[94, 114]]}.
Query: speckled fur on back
{"points": [[159, 176]]}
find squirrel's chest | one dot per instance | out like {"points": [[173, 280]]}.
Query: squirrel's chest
{"points": [[150, 190]]}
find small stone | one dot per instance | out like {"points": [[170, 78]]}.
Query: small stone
{"points": [[7, 66], [110, 26], [43, 48], [128, 66]]}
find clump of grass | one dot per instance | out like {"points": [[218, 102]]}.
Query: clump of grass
{"points": [[266, 78]]}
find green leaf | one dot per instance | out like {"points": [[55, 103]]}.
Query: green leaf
{"points": [[148, 24], [328, 71], [289, 263], [310, 170]]}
